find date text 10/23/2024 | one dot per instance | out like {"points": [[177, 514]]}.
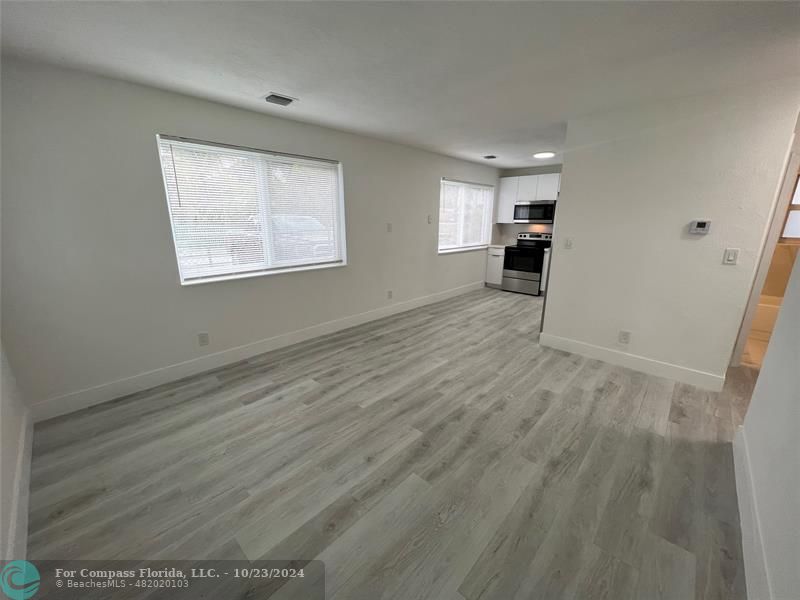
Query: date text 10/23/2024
{"points": [[179, 580]]}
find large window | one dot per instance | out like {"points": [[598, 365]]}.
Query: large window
{"points": [[465, 215], [238, 212]]}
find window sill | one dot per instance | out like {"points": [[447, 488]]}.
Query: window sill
{"points": [[468, 249], [252, 274]]}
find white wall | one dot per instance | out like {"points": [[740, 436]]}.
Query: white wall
{"points": [[767, 456], [91, 300], [632, 181], [16, 429]]}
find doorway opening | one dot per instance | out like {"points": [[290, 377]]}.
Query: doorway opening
{"points": [[769, 302], [781, 248]]}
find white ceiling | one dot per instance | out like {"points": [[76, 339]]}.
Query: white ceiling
{"points": [[461, 78]]}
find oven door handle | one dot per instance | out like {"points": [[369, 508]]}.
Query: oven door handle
{"points": [[545, 269]]}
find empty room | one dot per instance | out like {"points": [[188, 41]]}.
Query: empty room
{"points": [[400, 300]]}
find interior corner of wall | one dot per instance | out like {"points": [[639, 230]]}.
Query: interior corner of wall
{"points": [[755, 566]]}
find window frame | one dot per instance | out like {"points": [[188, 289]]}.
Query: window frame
{"points": [[473, 247], [340, 205], [793, 207]]}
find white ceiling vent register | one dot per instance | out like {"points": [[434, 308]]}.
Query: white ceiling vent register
{"points": [[279, 99]]}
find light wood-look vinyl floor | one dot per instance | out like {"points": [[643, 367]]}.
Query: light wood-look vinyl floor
{"points": [[439, 453]]}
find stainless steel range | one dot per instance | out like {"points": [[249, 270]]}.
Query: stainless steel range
{"points": [[525, 265]]}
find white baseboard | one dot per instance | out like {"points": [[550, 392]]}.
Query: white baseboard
{"points": [[71, 402], [702, 379], [16, 545], [755, 567]]}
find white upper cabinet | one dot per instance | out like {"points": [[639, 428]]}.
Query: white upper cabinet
{"points": [[528, 188], [506, 199], [548, 186]]}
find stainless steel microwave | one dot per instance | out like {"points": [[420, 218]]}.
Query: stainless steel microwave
{"points": [[535, 212]]}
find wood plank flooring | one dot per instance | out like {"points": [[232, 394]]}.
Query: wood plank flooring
{"points": [[439, 453]]}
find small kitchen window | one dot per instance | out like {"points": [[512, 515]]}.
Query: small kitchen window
{"points": [[465, 216], [239, 212]]}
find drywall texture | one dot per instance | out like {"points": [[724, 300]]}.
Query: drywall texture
{"points": [[15, 458], [90, 288], [632, 182], [769, 438]]}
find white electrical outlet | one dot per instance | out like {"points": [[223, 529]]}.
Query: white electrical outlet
{"points": [[388, 228], [389, 294], [568, 244], [203, 339], [624, 336], [430, 220]]}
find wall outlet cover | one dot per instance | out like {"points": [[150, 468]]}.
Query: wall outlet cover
{"points": [[203, 338], [624, 336]]}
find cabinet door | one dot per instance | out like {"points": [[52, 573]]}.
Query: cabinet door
{"points": [[506, 199], [494, 267], [548, 186], [528, 186]]}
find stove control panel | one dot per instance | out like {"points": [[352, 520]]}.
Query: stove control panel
{"points": [[535, 236]]}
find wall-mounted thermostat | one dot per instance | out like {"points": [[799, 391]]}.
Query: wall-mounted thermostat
{"points": [[700, 227]]}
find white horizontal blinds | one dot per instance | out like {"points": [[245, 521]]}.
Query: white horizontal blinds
{"points": [[476, 214], [303, 206], [449, 221], [236, 211], [465, 215], [214, 202]]}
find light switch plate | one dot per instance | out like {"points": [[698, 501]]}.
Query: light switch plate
{"points": [[731, 256]]}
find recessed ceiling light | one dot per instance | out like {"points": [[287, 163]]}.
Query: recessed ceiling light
{"points": [[547, 154], [490, 156], [279, 99]]}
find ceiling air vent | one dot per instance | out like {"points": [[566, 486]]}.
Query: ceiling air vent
{"points": [[279, 99]]}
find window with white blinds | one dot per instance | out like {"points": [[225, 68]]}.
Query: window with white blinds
{"points": [[465, 215], [238, 212]]}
